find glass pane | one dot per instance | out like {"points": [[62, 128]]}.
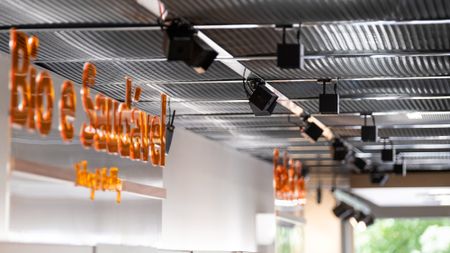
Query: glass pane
{"points": [[425, 235]]}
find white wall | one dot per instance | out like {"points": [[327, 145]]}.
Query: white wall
{"points": [[6, 247], [42, 248], [4, 148], [42, 211], [213, 195], [83, 222], [322, 229]]}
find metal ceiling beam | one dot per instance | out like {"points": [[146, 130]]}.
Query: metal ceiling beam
{"points": [[427, 155], [95, 27], [409, 146], [232, 114], [251, 115], [154, 26], [299, 80], [308, 56], [392, 113], [319, 23], [409, 138], [380, 78], [397, 126], [377, 97], [296, 128]]}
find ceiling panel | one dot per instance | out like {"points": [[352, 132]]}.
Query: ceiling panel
{"points": [[403, 132], [355, 67], [89, 45], [214, 104], [430, 87], [208, 108], [141, 72], [385, 120], [246, 133], [31, 12], [356, 106], [236, 121], [117, 92], [208, 91], [295, 11], [336, 38]]}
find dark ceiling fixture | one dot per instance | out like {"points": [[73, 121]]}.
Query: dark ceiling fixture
{"points": [[311, 131], [319, 194], [388, 154], [378, 177], [369, 133], [170, 129], [368, 220], [339, 150], [359, 216], [360, 163], [181, 43], [328, 103], [305, 172], [343, 211], [262, 100], [400, 167], [353, 209], [290, 56]]}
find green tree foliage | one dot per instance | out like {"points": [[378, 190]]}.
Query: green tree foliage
{"points": [[405, 236], [289, 239]]}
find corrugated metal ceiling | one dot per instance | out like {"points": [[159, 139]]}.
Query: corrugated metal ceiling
{"points": [[433, 87], [335, 38], [31, 12], [213, 104], [89, 45], [141, 71], [356, 106], [295, 11], [356, 67]]}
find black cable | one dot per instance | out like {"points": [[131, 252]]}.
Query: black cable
{"points": [[170, 111], [173, 117], [75, 26], [244, 82]]}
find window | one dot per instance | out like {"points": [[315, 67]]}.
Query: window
{"points": [[424, 235]]}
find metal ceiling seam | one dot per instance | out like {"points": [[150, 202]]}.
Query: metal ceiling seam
{"points": [[127, 26], [381, 97], [264, 58], [294, 80]]}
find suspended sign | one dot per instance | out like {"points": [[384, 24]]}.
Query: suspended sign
{"points": [[102, 179], [288, 179], [111, 126]]}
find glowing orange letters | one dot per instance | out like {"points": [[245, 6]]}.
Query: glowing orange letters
{"points": [[98, 180], [113, 127]]}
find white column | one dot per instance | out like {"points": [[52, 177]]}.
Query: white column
{"points": [[5, 146]]}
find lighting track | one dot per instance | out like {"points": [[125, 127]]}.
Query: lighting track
{"points": [[269, 57], [153, 26]]}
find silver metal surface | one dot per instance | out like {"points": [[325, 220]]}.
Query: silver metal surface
{"points": [[389, 57]]}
